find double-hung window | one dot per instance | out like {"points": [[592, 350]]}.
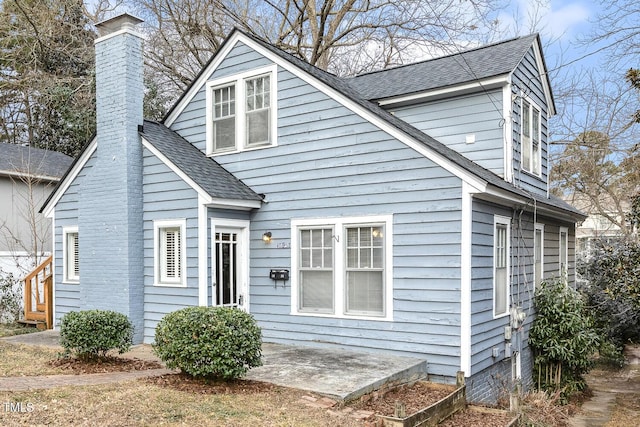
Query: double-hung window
{"points": [[342, 267], [563, 256], [169, 246], [224, 118], [531, 151], [538, 254], [501, 251], [70, 255], [316, 269], [241, 111]]}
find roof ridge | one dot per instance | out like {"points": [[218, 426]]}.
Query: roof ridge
{"points": [[463, 52]]}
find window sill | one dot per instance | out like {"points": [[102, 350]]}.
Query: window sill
{"points": [[170, 285], [500, 316], [342, 316], [224, 153], [531, 174], [70, 282]]}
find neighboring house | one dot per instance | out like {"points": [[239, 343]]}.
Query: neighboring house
{"points": [[404, 211], [598, 226], [27, 177]]}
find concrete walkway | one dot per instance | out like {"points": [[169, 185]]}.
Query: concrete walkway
{"points": [[340, 374], [606, 386]]}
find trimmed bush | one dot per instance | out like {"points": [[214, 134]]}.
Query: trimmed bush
{"points": [[92, 333], [218, 342]]}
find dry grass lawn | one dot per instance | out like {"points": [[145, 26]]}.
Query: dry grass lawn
{"points": [[144, 403], [27, 360]]}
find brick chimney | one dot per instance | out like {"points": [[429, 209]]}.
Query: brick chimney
{"points": [[110, 203]]}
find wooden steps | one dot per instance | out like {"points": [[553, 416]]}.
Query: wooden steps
{"points": [[39, 324]]}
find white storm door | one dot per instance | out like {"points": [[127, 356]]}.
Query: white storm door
{"points": [[229, 264]]}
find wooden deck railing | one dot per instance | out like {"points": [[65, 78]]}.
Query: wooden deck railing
{"points": [[38, 294]]}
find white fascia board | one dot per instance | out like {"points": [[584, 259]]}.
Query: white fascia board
{"points": [[506, 198], [382, 124], [82, 161], [243, 205], [488, 83], [544, 79], [191, 183]]}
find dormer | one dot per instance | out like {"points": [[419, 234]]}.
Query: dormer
{"points": [[490, 104]]}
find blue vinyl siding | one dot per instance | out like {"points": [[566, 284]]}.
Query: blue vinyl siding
{"points": [[329, 162], [488, 332], [526, 80], [450, 120], [67, 295], [167, 197]]}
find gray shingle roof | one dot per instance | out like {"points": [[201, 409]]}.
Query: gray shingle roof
{"points": [[347, 90], [467, 66], [204, 171], [19, 159]]}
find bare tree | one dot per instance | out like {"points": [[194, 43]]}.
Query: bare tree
{"points": [[596, 165], [342, 36], [46, 68]]}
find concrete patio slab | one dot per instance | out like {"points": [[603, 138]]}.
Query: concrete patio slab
{"points": [[337, 373], [340, 374]]}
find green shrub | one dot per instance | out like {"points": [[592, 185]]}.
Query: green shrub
{"points": [[217, 342], [92, 333], [562, 338]]}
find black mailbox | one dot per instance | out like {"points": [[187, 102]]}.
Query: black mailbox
{"points": [[279, 275]]}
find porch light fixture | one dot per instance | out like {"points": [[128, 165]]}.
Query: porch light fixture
{"points": [[266, 237]]}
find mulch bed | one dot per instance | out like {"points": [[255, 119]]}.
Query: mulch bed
{"points": [[103, 365], [415, 397], [474, 418], [187, 383]]}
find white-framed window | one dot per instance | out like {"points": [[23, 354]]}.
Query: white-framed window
{"points": [[169, 252], [531, 155], [538, 254], [501, 265], [563, 255], [70, 255], [342, 267], [241, 111]]}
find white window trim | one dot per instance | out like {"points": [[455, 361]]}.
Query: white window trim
{"points": [[563, 274], [339, 224], [501, 220], [65, 255], [167, 223], [240, 113], [538, 226], [537, 107]]}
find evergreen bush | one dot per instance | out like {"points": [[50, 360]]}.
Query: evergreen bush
{"points": [[92, 333], [612, 295], [562, 338], [218, 342]]}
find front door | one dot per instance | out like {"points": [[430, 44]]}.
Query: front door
{"points": [[229, 267]]}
